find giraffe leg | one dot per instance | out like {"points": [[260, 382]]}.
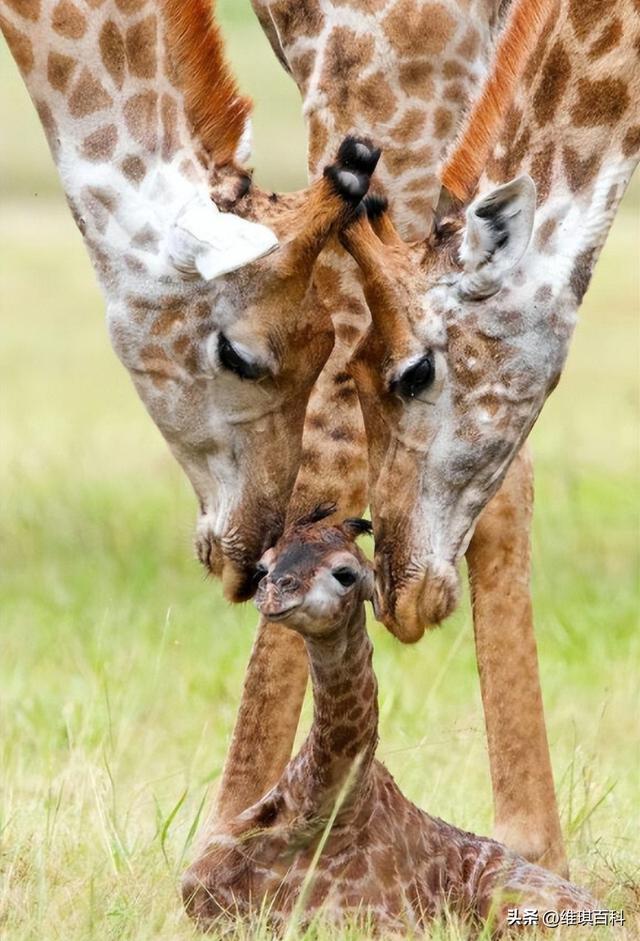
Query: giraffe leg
{"points": [[261, 744], [266, 722], [526, 812]]}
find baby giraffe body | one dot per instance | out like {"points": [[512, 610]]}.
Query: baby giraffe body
{"points": [[336, 811]]}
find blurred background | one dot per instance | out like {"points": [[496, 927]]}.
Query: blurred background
{"points": [[121, 668]]}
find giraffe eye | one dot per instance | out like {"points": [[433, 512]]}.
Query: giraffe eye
{"points": [[234, 362], [423, 380], [417, 378], [347, 577]]}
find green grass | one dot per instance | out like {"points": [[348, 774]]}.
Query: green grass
{"points": [[120, 668]]}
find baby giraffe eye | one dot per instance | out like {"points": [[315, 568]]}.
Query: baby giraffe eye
{"points": [[232, 360], [345, 576], [417, 378]]}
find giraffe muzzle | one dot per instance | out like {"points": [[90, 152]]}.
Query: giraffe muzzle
{"points": [[420, 603], [273, 599]]}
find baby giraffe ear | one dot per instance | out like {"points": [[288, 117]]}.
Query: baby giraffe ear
{"points": [[206, 243], [496, 236]]}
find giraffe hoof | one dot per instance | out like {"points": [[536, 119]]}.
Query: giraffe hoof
{"points": [[351, 173]]}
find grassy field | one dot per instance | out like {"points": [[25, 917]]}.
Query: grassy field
{"points": [[120, 669]]}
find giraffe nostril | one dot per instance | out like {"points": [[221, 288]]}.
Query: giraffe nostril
{"points": [[288, 583]]}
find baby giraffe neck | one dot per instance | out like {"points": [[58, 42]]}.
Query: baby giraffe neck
{"points": [[339, 751]]}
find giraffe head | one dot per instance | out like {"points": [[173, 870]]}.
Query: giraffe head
{"points": [[471, 327], [207, 279], [230, 389], [451, 376], [315, 577]]}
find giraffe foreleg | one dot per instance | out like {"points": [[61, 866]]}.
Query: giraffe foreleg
{"points": [[526, 812]]}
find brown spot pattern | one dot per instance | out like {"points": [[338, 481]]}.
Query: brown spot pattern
{"points": [[49, 126], [141, 117], [60, 68], [295, 20], [416, 77], [602, 102], [375, 98], [133, 168], [20, 46], [181, 345], [134, 264], [101, 144], [631, 142], [410, 126], [442, 123], [579, 171], [112, 51], [140, 45], [453, 69], [581, 274], [169, 117], [88, 96], [166, 321], [432, 22], [470, 44], [608, 39], [318, 139], [29, 9], [68, 20], [456, 92], [553, 84], [586, 16], [400, 159], [345, 54], [130, 6], [302, 66], [542, 170]]}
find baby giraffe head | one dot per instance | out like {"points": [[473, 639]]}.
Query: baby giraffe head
{"points": [[315, 577]]}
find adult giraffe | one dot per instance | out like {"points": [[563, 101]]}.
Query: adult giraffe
{"points": [[462, 355], [145, 122], [471, 327], [402, 72]]}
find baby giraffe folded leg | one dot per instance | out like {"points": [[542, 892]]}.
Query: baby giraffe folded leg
{"points": [[381, 858]]}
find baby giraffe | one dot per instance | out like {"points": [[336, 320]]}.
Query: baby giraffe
{"points": [[377, 856]]}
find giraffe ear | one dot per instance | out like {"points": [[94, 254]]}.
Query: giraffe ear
{"points": [[496, 236], [206, 243]]}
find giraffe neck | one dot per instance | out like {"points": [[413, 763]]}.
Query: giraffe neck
{"points": [[406, 85], [110, 102], [401, 73], [574, 126], [340, 748], [580, 125]]}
